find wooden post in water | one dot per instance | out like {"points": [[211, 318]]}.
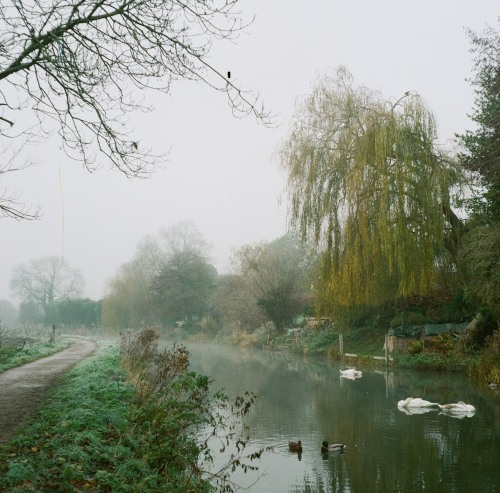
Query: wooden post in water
{"points": [[341, 345], [386, 346]]}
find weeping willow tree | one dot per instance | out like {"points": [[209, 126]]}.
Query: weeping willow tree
{"points": [[368, 184]]}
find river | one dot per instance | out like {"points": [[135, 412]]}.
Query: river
{"points": [[387, 450]]}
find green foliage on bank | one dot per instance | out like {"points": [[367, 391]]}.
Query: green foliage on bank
{"points": [[452, 362]]}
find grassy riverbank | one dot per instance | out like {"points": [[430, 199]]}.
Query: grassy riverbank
{"points": [[117, 423], [74, 442], [445, 353]]}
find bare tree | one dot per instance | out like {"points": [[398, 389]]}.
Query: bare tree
{"points": [[184, 237], [46, 281], [9, 314], [76, 63]]}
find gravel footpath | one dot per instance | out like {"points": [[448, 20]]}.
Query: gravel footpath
{"points": [[22, 389]]}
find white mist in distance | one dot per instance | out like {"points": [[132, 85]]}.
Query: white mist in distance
{"points": [[222, 173]]}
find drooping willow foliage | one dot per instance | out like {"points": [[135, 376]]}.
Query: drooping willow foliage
{"points": [[368, 184]]}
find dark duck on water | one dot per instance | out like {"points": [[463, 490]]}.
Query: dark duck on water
{"points": [[333, 447], [295, 446]]}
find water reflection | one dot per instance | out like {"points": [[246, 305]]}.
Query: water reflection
{"points": [[415, 410], [388, 449], [458, 414]]}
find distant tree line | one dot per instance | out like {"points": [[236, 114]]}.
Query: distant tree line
{"points": [[72, 312], [170, 282]]}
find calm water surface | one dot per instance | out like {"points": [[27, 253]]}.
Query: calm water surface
{"points": [[304, 398]]}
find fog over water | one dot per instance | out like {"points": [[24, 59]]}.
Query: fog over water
{"points": [[222, 173]]}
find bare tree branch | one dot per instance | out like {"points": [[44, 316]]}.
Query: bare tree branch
{"points": [[10, 204], [79, 63]]}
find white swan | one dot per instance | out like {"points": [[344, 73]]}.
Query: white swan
{"points": [[459, 407], [351, 377], [458, 414], [416, 402], [351, 372]]}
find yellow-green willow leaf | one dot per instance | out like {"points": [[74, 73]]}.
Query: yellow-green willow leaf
{"points": [[367, 183]]}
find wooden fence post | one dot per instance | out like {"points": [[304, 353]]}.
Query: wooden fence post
{"points": [[386, 346]]}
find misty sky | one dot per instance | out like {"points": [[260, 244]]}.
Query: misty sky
{"points": [[222, 172]]}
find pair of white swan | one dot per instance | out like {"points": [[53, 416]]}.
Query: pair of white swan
{"points": [[458, 407]]}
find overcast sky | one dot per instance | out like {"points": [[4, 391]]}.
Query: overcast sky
{"points": [[222, 173]]}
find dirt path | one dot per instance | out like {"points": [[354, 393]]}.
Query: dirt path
{"points": [[22, 389]]}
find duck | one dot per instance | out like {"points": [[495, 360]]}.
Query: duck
{"points": [[295, 446], [416, 402], [459, 406], [334, 447], [493, 386], [351, 372]]}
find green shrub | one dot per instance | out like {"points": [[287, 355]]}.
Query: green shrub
{"points": [[432, 361], [321, 340], [265, 333], [416, 318], [441, 343], [487, 365], [175, 416], [409, 318], [415, 347]]}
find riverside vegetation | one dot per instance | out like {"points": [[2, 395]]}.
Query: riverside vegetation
{"points": [[130, 419], [474, 352]]}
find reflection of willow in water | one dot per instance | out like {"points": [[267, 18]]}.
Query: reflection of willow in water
{"points": [[393, 452], [387, 450], [335, 480], [412, 465]]}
